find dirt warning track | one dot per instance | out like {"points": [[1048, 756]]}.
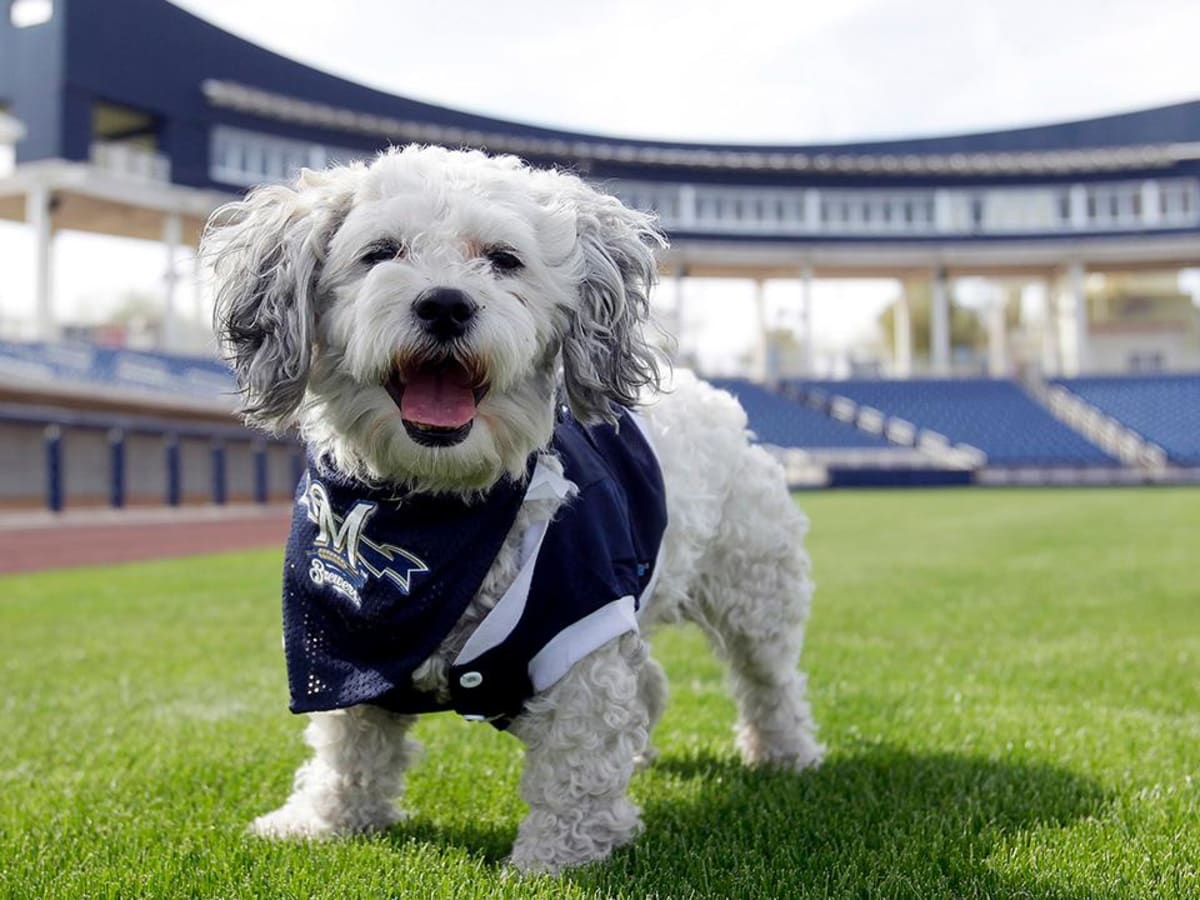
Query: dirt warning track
{"points": [[35, 541]]}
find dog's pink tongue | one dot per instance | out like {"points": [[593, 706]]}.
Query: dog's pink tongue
{"points": [[440, 397]]}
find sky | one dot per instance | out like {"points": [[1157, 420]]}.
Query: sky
{"points": [[752, 71]]}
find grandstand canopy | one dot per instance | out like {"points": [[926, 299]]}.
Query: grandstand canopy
{"points": [[137, 119]]}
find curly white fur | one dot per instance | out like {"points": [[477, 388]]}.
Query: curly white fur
{"points": [[313, 332]]}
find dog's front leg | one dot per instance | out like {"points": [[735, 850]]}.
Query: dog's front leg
{"points": [[353, 779], [582, 736]]}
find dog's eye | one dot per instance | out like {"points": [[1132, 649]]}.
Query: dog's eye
{"points": [[503, 260], [383, 251]]}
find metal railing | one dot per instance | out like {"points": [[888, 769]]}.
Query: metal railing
{"points": [[1084, 208], [900, 432], [1110, 435]]}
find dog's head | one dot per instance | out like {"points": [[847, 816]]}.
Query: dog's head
{"points": [[418, 316]]}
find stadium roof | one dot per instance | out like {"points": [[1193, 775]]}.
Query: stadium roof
{"points": [[1091, 145], [190, 76]]}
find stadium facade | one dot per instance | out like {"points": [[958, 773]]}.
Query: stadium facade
{"points": [[137, 118]]}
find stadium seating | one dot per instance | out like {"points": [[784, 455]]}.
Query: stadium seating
{"points": [[138, 371], [996, 416], [1164, 409], [786, 423]]}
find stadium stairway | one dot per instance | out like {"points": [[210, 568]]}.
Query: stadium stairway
{"points": [[1162, 410], [781, 422], [819, 445], [995, 416]]}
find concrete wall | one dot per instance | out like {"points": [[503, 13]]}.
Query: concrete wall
{"points": [[86, 457], [281, 480], [1111, 353], [195, 465], [22, 465], [86, 467], [145, 470], [239, 471]]}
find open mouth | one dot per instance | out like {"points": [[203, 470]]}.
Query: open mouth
{"points": [[438, 401]]}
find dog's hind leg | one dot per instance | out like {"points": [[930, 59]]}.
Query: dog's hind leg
{"points": [[753, 595], [652, 694], [353, 779], [581, 737]]}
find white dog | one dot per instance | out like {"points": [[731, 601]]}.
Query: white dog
{"points": [[459, 339]]}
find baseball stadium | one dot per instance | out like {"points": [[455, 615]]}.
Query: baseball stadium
{"points": [[1004, 651]]}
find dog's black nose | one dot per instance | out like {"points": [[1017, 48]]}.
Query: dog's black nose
{"points": [[445, 312]]}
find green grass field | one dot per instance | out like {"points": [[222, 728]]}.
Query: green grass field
{"points": [[1008, 683]]}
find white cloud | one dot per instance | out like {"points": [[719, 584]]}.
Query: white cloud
{"points": [[756, 70]]}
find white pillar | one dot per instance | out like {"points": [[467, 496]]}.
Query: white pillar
{"points": [[939, 325], [1074, 324], [39, 214], [997, 331], [902, 341], [172, 237], [762, 364], [1051, 361], [806, 328]]}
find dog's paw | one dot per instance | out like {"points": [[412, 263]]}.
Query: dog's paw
{"points": [[549, 844], [291, 822], [514, 869], [299, 821], [793, 751], [528, 859]]}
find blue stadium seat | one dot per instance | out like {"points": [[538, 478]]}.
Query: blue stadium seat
{"points": [[996, 416], [1164, 409], [127, 370], [786, 423]]}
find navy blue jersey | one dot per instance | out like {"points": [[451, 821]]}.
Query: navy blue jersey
{"points": [[374, 582]]}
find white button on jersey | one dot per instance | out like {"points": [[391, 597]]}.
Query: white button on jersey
{"points": [[470, 679]]}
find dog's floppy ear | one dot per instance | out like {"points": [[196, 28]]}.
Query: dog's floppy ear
{"points": [[267, 251], [606, 357]]}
